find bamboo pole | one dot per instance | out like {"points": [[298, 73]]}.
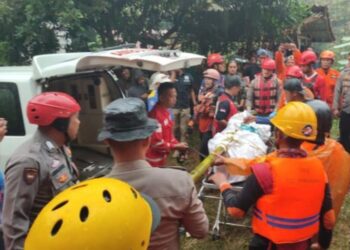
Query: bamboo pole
{"points": [[198, 172]]}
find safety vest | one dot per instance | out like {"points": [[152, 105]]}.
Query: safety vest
{"points": [[233, 110], [291, 211], [265, 95]]}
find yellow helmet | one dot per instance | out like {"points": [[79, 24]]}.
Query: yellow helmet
{"points": [[96, 214], [296, 120]]}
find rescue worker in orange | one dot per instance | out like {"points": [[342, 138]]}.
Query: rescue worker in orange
{"points": [[334, 157], [329, 74], [312, 80], [283, 61], [289, 189]]}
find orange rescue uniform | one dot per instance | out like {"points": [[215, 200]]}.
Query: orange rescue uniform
{"points": [[330, 78], [336, 163], [291, 212]]}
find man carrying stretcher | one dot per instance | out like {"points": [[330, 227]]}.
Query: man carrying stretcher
{"points": [[289, 189]]}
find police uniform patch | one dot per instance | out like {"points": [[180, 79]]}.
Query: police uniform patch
{"points": [[29, 175], [56, 164], [60, 176], [63, 178]]}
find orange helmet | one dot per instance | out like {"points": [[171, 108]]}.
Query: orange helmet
{"points": [[214, 58], [327, 54]]}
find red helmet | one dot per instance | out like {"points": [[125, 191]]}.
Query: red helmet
{"points": [[308, 57], [45, 108], [214, 58], [327, 54], [268, 64], [294, 72], [212, 73]]}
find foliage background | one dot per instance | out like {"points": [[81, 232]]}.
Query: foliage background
{"points": [[31, 27]]}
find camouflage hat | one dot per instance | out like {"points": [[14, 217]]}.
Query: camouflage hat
{"points": [[126, 120]]}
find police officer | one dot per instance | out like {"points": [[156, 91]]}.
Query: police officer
{"points": [[41, 167]]}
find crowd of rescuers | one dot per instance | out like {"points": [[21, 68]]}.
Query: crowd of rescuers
{"points": [[43, 197]]}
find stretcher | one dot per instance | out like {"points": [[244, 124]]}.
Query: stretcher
{"points": [[237, 140]]}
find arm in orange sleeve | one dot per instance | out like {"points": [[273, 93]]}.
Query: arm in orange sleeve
{"points": [[297, 56], [280, 66]]}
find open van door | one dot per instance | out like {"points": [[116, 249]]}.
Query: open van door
{"points": [[45, 66], [90, 79]]}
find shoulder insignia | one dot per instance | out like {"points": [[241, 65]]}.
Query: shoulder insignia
{"points": [[29, 175], [50, 146]]}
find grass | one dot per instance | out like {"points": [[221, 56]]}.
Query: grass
{"points": [[234, 238]]}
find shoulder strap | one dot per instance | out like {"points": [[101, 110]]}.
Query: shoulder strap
{"points": [[263, 174]]}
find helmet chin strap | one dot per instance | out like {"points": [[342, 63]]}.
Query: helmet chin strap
{"points": [[68, 139], [62, 124]]}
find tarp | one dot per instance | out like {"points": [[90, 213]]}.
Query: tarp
{"points": [[242, 141]]}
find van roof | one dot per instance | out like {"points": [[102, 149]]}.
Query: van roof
{"points": [[148, 59], [15, 72]]}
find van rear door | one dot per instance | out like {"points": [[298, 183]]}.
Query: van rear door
{"points": [[145, 59]]}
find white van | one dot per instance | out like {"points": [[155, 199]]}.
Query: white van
{"points": [[90, 78]]}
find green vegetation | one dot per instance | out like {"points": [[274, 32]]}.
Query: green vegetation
{"points": [[340, 22], [32, 27]]}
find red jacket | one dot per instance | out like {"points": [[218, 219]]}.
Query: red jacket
{"points": [[162, 140]]}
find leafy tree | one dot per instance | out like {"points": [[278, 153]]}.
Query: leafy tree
{"points": [[35, 27]]}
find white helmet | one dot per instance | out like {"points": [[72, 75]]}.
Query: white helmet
{"points": [[158, 78]]}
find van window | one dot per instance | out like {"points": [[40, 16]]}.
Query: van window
{"points": [[10, 108], [92, 97]]}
